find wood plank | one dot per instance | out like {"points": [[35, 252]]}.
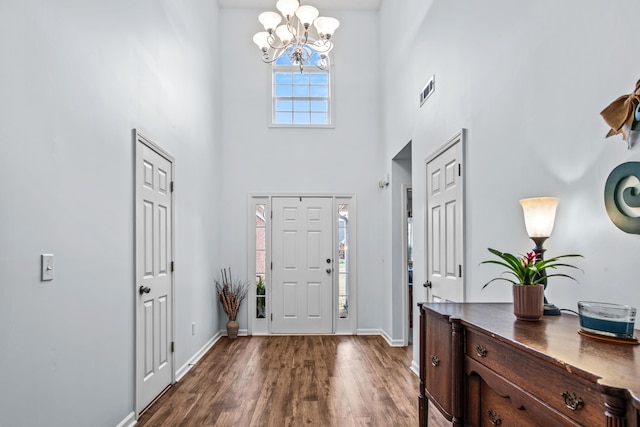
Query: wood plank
{"points": [[312, 380]]}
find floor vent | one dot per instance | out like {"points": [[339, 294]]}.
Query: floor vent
{"points": [[428, 90]]}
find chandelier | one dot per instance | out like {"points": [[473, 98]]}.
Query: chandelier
{"points": [[302, 35]]}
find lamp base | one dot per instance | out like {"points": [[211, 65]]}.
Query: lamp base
{"points": [[551, 310]]}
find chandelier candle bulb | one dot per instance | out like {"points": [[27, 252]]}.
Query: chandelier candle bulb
{"points": [[269, 20], [326, 26], [307, 14], [261, 39], [285, 34], [287, 7]]}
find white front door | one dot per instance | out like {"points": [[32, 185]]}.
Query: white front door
{"points": [[302, 272], [445, 222], [154, 276]]}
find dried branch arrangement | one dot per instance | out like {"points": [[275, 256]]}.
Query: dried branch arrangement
{"points": [[231, 292]]}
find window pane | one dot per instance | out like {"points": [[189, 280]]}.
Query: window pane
{"points": [[320, 91], [282, 91], [284, 118], [343, 261], [319, 118], [319, 106], [284, 59], [260, 260], [300, 106], [301, 79], [319, 78], [283, 78], [301, 118], [284, 105], [301, 91]]}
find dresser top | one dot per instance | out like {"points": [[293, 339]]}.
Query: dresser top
{"points": [[554, 339]]}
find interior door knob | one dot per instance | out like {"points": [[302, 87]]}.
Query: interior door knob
{"points": [[427, 284], [144, 289]]}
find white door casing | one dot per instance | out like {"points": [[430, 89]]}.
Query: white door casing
{"points": [[444, 224], [302, 272], [154, 271]]}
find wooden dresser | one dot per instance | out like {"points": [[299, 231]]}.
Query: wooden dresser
{"points": [[479, 366]]}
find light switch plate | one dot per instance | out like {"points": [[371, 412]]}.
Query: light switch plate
{"points": [[47, 267]]}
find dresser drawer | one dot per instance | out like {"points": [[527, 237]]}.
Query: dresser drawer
{"points": [[561, 390], [495, 409]]}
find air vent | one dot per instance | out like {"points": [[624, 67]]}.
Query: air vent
{"points": [[428, 90]]}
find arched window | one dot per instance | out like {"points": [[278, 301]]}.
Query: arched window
{"points": [[301, 97]]}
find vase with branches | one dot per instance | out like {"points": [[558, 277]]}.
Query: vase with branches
{"points": [[231, 293]]}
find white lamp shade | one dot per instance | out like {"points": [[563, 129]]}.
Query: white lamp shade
{"points": [[261, 39], [539, 215], [284, 33], [269, 20], [287, 7], [326, 25], [306, 14]]}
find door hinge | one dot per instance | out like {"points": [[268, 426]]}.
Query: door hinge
{"points": [[271, 214], [459, 270], [172, 266], [272, 317], [271, 266], [172, 186], [459, 169], [173, 346]]}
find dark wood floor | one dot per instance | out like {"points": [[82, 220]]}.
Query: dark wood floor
{"points": [[293, 381]]}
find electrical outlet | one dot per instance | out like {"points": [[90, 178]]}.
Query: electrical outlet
{"points": [[193, 328]]}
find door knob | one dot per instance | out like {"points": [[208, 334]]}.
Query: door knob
{"points": [[144, 289], [427, 284], [328, 271]]}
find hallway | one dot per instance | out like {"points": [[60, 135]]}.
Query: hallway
{"points": [[292, 381]]}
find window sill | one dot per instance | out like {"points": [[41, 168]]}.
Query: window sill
{"points": [[331, 126]]}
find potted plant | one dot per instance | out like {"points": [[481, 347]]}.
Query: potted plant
{"points": [[529, 271], [231, 292]]}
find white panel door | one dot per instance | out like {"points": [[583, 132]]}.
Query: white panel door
{"points": [[302, 272], [444, 223], [154, 277]]}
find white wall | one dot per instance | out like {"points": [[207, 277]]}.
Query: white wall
{"points": [[528, 81], [76, 78], [344, 160]]}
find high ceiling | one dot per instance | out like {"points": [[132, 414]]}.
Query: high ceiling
{"points": [[319, 4]]}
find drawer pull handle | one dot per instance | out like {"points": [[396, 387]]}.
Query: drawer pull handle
{"points": [[481, 350], [494, 418], [435, 361], [572, 401]]}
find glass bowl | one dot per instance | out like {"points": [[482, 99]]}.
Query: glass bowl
{"points": [[612, 320]]}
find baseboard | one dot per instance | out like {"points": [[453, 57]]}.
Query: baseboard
{"points": [[194, 359], [369, 332], [129, 421], [241, 332], [383, 334], [415, 368]]}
